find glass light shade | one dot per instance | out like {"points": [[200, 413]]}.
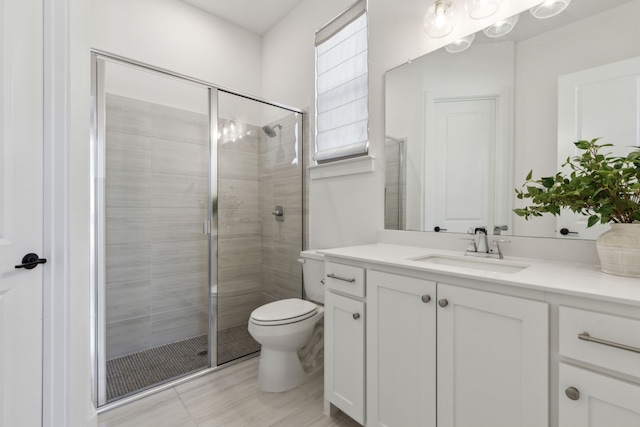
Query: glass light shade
{"points": [[549, 8], [460, 45], [480, 9], [501, 28], [441, 18]]}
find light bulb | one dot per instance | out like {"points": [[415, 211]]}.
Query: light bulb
{"points": [[460, 45], [549, 8], [441, 18], [501, 28], [480, 9]]}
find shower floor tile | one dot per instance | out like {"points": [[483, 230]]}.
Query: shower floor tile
{"points": [[135, 372], [235, 342], [141, 370]]}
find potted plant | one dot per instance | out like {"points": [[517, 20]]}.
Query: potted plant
{"points": [[603, 187]]}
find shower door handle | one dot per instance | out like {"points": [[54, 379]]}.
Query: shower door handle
{"points": [[206, 228]]}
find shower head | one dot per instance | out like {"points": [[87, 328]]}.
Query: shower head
{"points": [[270, 131]]}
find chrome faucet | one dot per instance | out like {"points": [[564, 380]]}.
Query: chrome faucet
{"points": [[480, 248], [481, 234]]}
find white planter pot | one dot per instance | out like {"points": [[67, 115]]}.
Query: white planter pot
{"points": [[619, 250]]}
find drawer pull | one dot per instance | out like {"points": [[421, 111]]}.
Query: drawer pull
{"points": [[333, 276], [586, 337], [425, 298], [356, 316]]}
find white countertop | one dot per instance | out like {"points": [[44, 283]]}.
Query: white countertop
{"points": [[565, 278]]}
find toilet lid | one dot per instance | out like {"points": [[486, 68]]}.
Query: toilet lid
{"points": [[283, 311]]}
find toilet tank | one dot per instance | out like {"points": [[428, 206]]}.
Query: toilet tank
{"points": [[312, 275]]}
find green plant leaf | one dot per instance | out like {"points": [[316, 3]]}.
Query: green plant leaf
{"points": [[601, 186]]}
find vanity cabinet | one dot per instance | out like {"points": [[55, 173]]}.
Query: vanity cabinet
{"points": [[606, 342], [344, 326], [401, 352], [472, 357], [492, 353], [591, 399]]}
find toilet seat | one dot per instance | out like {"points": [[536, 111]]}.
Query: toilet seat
{"points": [[283, 311]]}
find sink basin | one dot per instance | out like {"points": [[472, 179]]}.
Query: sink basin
{"points": [[491, 265]]}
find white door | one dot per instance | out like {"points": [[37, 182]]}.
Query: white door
{"points": [[401, 351], [600, 102], [492, 355], [460, 164], [21, 216], [590, 399]]}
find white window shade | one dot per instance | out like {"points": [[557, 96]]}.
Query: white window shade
{"points": [[342, 114]]}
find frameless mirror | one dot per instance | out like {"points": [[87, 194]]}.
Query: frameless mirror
{"points": [[464, 129]]}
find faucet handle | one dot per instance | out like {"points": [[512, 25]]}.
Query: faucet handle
{"points": [[471, 246], [498, 228], [495, 247]]}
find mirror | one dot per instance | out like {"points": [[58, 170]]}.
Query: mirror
{"points": [[464, 129]]}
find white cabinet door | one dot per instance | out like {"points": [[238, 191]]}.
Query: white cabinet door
{"points": [[344, 322], [492, 359], [588, 399], [401, 354]]}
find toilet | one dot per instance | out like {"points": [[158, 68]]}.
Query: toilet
{"points": [[286, 326]]}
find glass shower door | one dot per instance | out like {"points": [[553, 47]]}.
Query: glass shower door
{"points": [[259, 173], [153, 194]]}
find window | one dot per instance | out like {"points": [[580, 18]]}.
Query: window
{"points": [[342, 115]]}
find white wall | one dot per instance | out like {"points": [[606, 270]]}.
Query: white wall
{"points": [[288, 77], [348, 210], [181, 38]]}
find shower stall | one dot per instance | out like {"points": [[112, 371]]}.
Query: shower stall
{"points": [[395, 199], [197, 220]]}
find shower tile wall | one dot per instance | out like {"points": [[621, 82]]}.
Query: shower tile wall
{"points": [[156, 200], [281, 184], [239, 229], [257, 254]]}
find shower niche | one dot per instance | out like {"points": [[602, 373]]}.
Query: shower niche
{"points": [[186, 245]]}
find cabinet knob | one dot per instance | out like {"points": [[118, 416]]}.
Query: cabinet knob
{"points": [[426, 298], [443, 302], [572, 393], [356, 316]]}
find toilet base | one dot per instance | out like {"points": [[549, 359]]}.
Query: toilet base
{"points": [[279, 370]]}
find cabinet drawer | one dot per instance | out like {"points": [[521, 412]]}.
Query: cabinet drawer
{"points": [[590, 399], [346, 279], [605, 340]]}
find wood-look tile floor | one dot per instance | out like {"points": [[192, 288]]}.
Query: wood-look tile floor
{"points": [[228, 397]]}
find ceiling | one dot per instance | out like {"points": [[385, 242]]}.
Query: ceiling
{"points": [[256, 16]]}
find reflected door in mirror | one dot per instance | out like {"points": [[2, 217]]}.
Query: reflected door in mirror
{"points": [[460, 160]]}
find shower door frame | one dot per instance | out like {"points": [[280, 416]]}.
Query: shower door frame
{"points": [[210, 227]]}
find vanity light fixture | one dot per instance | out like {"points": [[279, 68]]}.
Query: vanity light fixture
{"points": [[549, 8], [441, 18], [460, 45], [501, 28], [480, 9]]}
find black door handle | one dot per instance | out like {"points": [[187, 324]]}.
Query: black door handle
{"points": [[30, 261], [565, 231]]}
